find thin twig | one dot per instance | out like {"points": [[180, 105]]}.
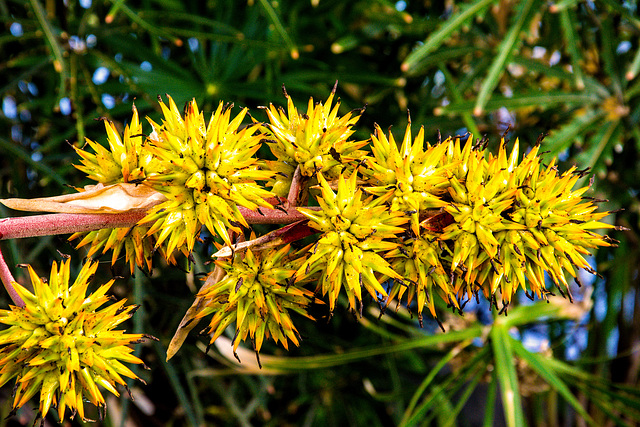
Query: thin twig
{"points": [[297, 193]]}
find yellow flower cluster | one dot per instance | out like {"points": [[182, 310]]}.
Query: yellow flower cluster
{"points": [[257, 295], [502, 224], [205, 170], [316, 141], [410, 220], [354, 232], [62, 345]]}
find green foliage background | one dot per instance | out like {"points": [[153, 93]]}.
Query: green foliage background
{"points": [[567, 69]]}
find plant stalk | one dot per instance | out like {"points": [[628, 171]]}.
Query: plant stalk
{"points": [[7, 279], [52, 224]]}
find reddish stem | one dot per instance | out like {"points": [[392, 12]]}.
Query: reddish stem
{"points": [[7, 279], [273, 216], [51, 224], [297, 191]]}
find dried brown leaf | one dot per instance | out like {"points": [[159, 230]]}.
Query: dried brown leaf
{"points": [[116, 198]]}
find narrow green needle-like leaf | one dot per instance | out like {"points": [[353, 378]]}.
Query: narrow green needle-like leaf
{"points": [[507, 375], [600, 147], [538, 364], [59, 63], [452, 416], [607, 52], [634, 68], [505, 50], [561, 5], [275, 20], [429, 379], [559, 141], [467, 117], [521, 100], [133, 15], [436, 39], [325, 361], [113, 10], [492, 393], [618, 7], [568, 23], [446, 390]]}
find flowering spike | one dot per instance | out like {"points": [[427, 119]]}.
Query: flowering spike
{"points": [[317, 141], [56, 344], [257, 295], [204, 171], [354, 232]]}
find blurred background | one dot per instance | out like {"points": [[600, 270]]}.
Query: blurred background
{"points": [[566, 69]]}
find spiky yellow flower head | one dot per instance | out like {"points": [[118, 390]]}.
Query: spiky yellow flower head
{"points": [[410, 179], [317, 141], [125, 161], [63, 345], [421, 262], [206, 171], [478, 204], [354, 231], [138, 245], [557, 222], [258, 295]]}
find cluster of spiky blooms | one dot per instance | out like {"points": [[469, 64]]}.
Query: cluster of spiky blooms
{"points": [[63, 345], [205, 170], [447, 219], [258, 294], [316, 141], [124, 161], [502, 225], [354, 231]]}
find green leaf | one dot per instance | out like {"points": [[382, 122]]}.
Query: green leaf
{"points": [[492, 393], [434, 403], [559, 141], [506, 374], [505, 51], [523, 99], [429, 379], [436, 39], [452, 87], [634, 67], [599, 148], [538, 364], [561, 5], [327, 360], [568, 24], [150, 27], [452, 415], [275, 20], [618, 8], [59, 63], [608, 54]]}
